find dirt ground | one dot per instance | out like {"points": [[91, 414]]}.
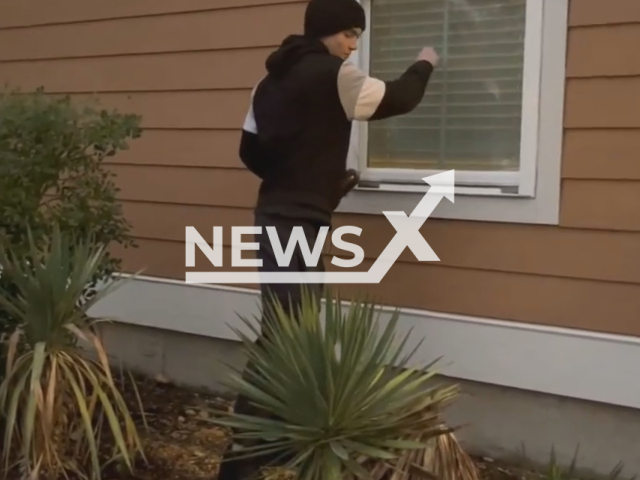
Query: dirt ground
{"points": [[180, 444], [179, 441]]}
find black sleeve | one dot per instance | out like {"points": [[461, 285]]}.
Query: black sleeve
{"points": [[404, 94], [366, 98]]}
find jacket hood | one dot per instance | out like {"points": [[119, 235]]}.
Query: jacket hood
{"points": [[292, 49]]}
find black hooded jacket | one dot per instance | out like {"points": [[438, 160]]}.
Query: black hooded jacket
{"points": [[297, 131]]}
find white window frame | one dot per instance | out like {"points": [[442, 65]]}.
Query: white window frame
{"points": [[531, 195]]}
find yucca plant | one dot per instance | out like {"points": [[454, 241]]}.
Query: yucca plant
{"points": [[555, 470], [340, 400], [62, 411]]}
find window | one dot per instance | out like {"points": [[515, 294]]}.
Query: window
{"points": [[492, 110]]}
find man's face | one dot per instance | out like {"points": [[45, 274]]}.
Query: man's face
{"points": [[343, 44]]}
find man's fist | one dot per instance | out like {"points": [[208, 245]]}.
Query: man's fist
{"points": [[352, 178], [430, 55]]}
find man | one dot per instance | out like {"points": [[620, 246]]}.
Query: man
{"points": [[296, 134], [297, 131]]}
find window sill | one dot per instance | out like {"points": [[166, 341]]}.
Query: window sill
{"points": [[470, 204], [422, 189]]}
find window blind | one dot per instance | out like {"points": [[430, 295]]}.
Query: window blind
{"points": [[470, 116]]}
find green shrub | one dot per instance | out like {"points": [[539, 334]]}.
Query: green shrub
{"points": [[339, 397], [59, 408], [52, 172]]}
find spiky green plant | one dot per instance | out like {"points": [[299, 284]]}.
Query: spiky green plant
{"points": [[342, 398], [58, 406], [555, 470]]}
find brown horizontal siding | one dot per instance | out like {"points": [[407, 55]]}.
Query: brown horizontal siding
{"points": [[195, 186], [607, 154], [603, 103], [602, 118], [249, 27], [213, 109], [205, 70], [603, 306], [599, 12], [601, 174], [592, 51], [36, 12], [613, 205], [495, 247], [188, 67], [187, 148]]}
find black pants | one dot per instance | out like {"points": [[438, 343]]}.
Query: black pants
{"points": [[289, 296]]}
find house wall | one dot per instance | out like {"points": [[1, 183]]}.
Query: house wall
{"points": [[187, 67]]}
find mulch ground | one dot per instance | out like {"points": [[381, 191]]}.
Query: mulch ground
{"points": [[181, 444]]}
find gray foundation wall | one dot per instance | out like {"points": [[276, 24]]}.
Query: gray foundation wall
{"points": [[497, 422]]}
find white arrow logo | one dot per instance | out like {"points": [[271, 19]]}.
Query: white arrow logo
{"points": [[407, 235]]}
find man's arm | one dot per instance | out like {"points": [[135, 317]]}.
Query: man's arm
{"points": [[366, 98]]}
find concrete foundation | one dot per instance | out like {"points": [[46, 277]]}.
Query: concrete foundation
{"points": [[497, 422]]}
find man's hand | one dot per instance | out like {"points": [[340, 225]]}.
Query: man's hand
{"points": [[430, 55], [351, 180]]}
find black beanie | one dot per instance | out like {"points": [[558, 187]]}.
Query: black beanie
{"points": [[327, 17]]}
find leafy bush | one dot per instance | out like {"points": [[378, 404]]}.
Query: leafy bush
{"points": [[340, 400], [52, 154], [56, 404]]}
